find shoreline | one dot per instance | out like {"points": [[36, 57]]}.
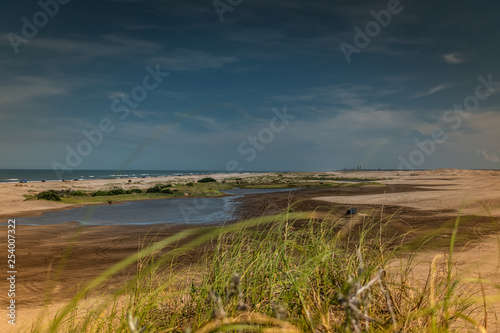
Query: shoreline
{"points": [[14, 205]]}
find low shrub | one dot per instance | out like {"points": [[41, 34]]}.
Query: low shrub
{"points": [[78, 193], [50, 195], [159, 188], [116, 191], [207, 180], [154, 189]]}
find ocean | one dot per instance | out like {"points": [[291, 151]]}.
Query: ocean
{"points": [[37, 175]]}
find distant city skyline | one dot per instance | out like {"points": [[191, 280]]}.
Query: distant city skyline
{"points": [[249, 85]]}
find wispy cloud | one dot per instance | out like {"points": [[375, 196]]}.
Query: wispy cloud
{"points": [[80, 48], [24, 88], [433, 90], [491, 157], [454, 58]]}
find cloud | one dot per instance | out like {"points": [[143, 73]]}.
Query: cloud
{"points": [[210, 122], [110, 45], [491, 157], [353, 107], [454, 58], [24, 88], [433, 90], [144, 114]]}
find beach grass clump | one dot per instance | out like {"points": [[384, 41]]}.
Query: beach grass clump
{"points": [[290, 272]]}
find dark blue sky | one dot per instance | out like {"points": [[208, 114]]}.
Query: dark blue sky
{"points": [[80, 67]]}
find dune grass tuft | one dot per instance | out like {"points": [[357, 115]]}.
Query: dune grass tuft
{"points": [[289, 272]]}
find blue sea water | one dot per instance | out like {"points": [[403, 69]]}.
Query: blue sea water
{"points": [[36, 175]]}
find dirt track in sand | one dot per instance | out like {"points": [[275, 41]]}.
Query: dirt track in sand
{"points": [[425, 199]]}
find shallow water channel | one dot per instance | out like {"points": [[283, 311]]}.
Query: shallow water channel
{"points": [[174, 211]]}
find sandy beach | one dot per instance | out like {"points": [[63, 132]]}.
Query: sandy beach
{"points": [[53, 260]]}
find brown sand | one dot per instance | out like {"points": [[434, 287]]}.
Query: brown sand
{"points": [[424, 198], [468, 191]]}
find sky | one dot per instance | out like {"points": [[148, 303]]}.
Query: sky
{"points": [[249, 85]]}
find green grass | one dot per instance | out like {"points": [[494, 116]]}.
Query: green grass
{"points": [[180, 190], [290, 272], [89, 200]]}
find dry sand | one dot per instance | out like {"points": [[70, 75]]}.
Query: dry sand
{"points": [[39, 249], [468, 191]]}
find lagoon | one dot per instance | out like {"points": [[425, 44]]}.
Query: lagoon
{"points": [[193, 211]]}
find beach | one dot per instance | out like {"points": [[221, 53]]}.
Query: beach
{"points": [[54, 260], [13, 203]]}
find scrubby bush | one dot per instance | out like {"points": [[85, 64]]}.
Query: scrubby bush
{"points": [[114, 191], [78, 193], [154, 189], [48, 195], [135, 190], [117, 191], [159, 188], [207, 180]]}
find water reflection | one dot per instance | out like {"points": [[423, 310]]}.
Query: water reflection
{"points": [[175, 211]]}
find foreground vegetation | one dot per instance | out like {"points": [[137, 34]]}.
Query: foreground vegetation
{"points": [[290, 272]]}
